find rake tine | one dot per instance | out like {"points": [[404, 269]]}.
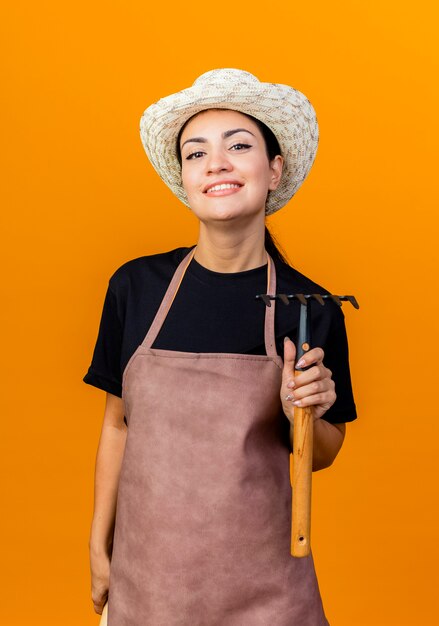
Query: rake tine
{"points": [[319, 298], [300, 297], [266, 298], [336, 299], [353, 301]]}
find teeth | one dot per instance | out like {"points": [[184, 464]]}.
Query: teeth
{"points": [[224, 186]]}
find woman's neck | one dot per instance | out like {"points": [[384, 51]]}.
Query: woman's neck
{"points": [[222, 251]]}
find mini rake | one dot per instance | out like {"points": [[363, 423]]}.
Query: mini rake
{"points": [[303, 423]]}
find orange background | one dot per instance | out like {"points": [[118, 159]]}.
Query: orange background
{"points": [[80, 198]]}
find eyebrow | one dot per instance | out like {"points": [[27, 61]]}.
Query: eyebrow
{"points": [[227, 133]]}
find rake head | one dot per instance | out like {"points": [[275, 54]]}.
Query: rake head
{"points": [[304, 297], [304, 330]]}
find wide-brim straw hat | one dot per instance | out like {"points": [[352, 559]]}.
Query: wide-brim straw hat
{"points": [[286, 111]]}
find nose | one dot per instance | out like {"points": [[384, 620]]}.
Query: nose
{"points": [[218, 161]]}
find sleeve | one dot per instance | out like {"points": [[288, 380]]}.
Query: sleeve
{"points": [[104, 371], [337, 360]]}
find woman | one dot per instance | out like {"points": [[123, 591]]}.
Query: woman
{"points": [[199, 376]]}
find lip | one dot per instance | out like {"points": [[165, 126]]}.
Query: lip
{"points": [[222, 182]]}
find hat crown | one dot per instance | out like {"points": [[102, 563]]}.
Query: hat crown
{"points": [[228, 74]]}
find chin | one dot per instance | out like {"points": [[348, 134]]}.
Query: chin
{"points": [[225, 212]]}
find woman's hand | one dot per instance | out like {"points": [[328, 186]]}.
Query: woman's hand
{"points": [[312, 387], [100, 579]]}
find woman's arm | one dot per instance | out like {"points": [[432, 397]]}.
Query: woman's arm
{"points": [[327, 441], [108, 463]]}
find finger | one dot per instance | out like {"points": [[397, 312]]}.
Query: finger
{"points": [[100, 603], [307, 376], [99, 608], [289, 357], [317, 372], [315, 355], [312, 389], [323, 398]]}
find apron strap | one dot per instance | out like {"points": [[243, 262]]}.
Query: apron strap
{"points": [[171, 292], [269, 333], [168, 298]]}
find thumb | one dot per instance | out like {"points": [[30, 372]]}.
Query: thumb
{"points": [[289, 358]]}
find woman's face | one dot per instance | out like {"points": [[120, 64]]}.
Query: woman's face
{"points": [[225, 169]]}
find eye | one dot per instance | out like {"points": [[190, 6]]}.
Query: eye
{"points": [[240, 146], [194, 155]]}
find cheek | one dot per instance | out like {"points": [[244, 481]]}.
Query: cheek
{"points": [[188, 179], [185, 180], [260, 172]]}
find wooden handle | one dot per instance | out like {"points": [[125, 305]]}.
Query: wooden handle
{"points": [[104, 615], [302, 475]]}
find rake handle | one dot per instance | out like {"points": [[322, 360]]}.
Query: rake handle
{"points": [[302, 478], [303, 426]]}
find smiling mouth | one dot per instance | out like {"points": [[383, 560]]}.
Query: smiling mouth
{"points": [[223, 187]]}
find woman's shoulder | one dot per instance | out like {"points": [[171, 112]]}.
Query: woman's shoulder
{"points": [[290, 280], [144, 269], [296, 282]]}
